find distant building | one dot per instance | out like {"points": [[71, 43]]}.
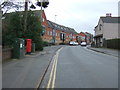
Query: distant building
{"points": [[89, 38], [106, 29], [85, 37], [82, 37]]}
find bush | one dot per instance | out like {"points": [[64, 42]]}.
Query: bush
{"points": [[38, 44], [45, 43], [63, 43]]}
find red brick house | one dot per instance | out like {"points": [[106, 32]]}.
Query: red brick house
{"points": [[82, 37], [55, 33], [85, 37]]}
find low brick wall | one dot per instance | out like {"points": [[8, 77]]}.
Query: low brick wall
{"points": [[6, 53]]}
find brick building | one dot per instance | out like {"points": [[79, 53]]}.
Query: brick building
{"points": [[82, 37], [85, 37], [89, 38], [55, 33]]}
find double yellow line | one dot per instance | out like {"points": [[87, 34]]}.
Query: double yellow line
{"points": [[51, 82]]}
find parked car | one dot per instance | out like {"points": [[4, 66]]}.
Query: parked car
{"points": [[73, 43], [76, 43], [83, 44]]}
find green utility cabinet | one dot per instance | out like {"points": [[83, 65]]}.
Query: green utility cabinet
{"points": [[18, 48], [33, 47]]}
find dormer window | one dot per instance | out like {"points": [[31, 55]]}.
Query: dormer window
{"points": [[55, 25], [61, 27]]}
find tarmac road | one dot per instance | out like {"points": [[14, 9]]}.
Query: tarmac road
{"points": [[78, 67]]}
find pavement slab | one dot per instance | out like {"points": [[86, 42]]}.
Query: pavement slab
{"points": [[108, 51]]}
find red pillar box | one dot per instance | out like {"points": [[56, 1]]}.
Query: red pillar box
{"points": [[28, 45]]}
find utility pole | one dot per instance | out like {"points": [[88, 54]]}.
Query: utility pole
{"points": [[25, 15], [55, 18], [44, 4], [41, 2]]}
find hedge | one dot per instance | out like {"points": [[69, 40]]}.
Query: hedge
{"points": [[113, 43]]}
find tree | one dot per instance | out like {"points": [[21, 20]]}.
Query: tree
{"points": [[34, 30], [10, 5], [24, 32], [13, 26]]}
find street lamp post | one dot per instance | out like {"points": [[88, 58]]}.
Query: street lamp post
{"points": [[41, 9], [55, 18], [54, 31], [41, 5]]}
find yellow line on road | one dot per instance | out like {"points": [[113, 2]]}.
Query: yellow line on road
{"points": [[53, 71], [54, 77], [48, 85]]}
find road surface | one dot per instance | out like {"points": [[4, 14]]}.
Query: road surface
{"points": [[78, 67]]}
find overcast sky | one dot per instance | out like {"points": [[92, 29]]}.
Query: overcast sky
{"points": [[82, 15]]}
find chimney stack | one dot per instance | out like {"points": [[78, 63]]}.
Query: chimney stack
{"points": [[108, 14]]}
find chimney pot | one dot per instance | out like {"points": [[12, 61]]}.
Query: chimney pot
{"points": [[108, 14]]}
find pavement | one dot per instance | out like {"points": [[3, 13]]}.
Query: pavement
{"points": [[107, 51], [29, 71]]}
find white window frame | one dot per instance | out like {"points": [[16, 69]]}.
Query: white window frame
{"points": [[50, 33], [56, 34]]}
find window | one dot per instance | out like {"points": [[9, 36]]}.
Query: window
{"points": [[70, 36], [47, 32], [61, 27], [50, 33], [43, 19], [56, 34], [82, 38], [67, 36], [61, 36], [55, 25]]}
